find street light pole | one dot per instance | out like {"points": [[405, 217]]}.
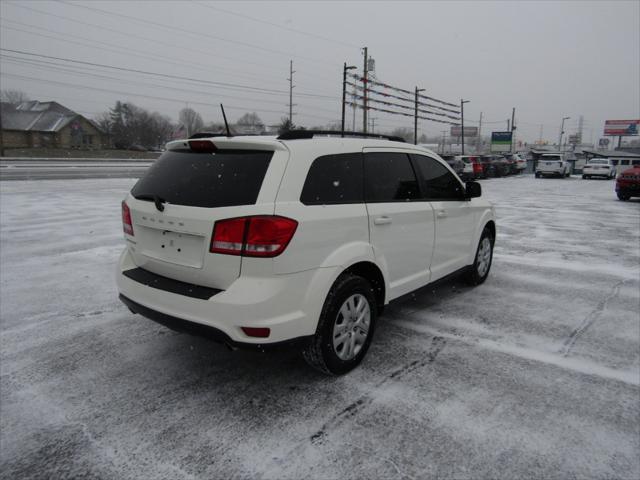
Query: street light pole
{"points": [[562, 133], [344, 91], [462, 102], [415, 118]]}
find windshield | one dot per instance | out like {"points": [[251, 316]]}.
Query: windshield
{"points": [[222, 179]]}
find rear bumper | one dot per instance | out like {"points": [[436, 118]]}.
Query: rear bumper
{"points": [[201, 330], [289, 305], [631, 190], [596, 173]]}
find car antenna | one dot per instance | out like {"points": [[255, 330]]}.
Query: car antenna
{"points": [[225, 121]]}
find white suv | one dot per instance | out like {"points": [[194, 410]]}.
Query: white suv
{"points": [[553, 164], [264, 240]]}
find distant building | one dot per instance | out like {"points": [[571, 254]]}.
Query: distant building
{"points": [[48, 125]]}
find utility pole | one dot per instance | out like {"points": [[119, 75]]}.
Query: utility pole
{"points": [[364, 95], [513, 126], [373, 124], [541, 128], [344, 91], [479, 140], [562, 133], [355, 107], [444, 135], [291, 85], [462, 102], [415, 118], [508, 124]]}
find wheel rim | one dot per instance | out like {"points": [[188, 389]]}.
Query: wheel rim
{"points": [[351, 327], [484, 257]]}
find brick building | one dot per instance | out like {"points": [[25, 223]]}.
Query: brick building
{"points": [[36, 124]]}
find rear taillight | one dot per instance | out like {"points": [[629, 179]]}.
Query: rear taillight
{"points": [[255, 236], [127, 224]]}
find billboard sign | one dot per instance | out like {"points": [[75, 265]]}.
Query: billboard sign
{"points": [[456, 131], [575, 139], [501, 141], [621, 128]]}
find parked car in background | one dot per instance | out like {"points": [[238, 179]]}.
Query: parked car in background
{"points": [[599, 167], [455, 162], [628, 183], [497, 165], [472, 167], [519, 162], [553, 165]]}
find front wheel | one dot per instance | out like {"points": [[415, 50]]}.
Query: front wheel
{"points": [[479, 271], [345, 327]]}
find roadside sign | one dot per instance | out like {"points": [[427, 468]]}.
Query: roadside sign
{"points": [[456, 131], [621, 128], [603, 142], [501, 141]]}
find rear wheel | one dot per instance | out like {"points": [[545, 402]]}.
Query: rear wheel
{"points": [[623, 197], [537, 175], [478, 272], [345, 327]]}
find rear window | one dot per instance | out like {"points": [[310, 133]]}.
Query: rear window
{"points": [[598, 162], [334, 179], [221, 179], [550, 157]]}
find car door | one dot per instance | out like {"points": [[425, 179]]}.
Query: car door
{"points": [[401, 221], [454, 215]]}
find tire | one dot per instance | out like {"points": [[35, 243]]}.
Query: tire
{"points": [[324, 351], [537, 175], [584, 177], [479, 271], [623, 197]]}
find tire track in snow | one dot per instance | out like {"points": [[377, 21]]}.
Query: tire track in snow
{"points": [[437, 344], [589, 319]]}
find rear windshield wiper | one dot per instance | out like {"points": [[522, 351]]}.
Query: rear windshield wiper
{"points": [[154, 198]]}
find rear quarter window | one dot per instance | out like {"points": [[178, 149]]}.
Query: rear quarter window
{"points": [[334, 179], [221, 179]]}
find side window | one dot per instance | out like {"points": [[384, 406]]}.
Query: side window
{"points": [[334, 179], [439, 183], [389, 177]]}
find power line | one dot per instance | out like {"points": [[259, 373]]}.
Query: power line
{"points": [[300, 32], [163, 75], [114, 48], [148, 22], [190, 49], [153, 97], [65, 69]]}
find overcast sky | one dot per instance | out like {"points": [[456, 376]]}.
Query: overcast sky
{"points": [[547, 59]]}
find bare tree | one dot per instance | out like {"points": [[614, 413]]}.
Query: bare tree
{"points": [[14, 97], [191, 120], [250, 123]]}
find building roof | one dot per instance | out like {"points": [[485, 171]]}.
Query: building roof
{"points": [[610, 153], [34, 116]]}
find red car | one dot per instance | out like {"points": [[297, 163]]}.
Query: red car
{"points": [[628, 183]]}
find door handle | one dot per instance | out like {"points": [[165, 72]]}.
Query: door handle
{"points": [[442, 213], [382, 221]]}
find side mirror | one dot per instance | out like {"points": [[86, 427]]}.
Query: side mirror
{"points": [[473, 190]]}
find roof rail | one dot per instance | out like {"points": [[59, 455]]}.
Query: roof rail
{"points": [[306, 134], [206, 135]]}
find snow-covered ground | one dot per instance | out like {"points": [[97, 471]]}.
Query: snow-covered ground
{"points": [[534, 374]]}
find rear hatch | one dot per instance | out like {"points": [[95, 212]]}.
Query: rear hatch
{"points": [[174, 207], [551, 163]]}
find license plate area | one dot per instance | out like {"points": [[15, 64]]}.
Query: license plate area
{"points": [[172, 247]]}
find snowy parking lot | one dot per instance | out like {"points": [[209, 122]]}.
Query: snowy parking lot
{"points": [[535, 373]]}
